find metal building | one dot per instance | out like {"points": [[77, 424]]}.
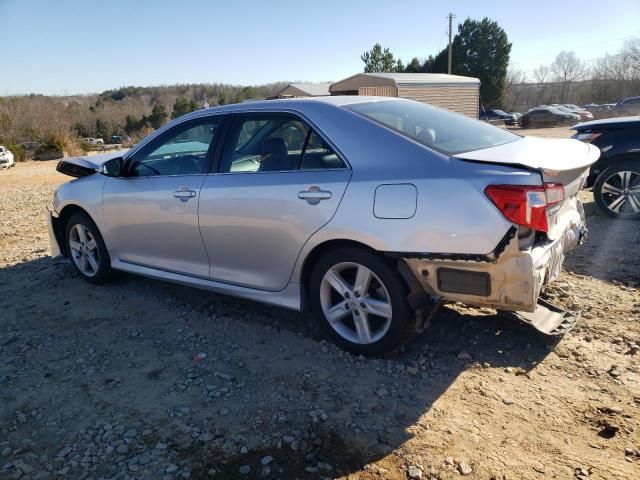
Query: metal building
{"points": [[453, 92], [303, 90]]}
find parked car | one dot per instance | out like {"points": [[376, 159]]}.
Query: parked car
{"points": [[615, 177], [6, 158], [94, 141], [584, 114], [516, 117], [600, 111], [116, 139], [547, 117], [369, 211], [627, 106], [497, 115]]}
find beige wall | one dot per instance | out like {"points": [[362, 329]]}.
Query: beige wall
{"points": [[356, 82], [462, 99], [378, 91]]}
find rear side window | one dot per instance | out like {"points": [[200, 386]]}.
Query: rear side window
{"points": [[276, 143], [443, 131]]}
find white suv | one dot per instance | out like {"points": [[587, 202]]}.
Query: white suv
{"points": [[6, 158]]}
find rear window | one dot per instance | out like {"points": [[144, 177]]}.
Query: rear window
{"points": [[443, 131]]}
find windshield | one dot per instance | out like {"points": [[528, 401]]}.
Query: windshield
{"points": [[439, 129]]}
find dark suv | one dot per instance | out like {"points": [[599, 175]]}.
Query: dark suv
{"points": [[627, 106], [615, 177]]}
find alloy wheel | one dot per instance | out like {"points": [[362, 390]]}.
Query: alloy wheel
{"points": [[84, 250], [621, 193], [356, 303]]}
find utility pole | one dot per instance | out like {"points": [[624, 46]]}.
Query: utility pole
{"points": [[451, 16]]}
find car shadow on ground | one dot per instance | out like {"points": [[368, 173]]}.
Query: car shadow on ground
{"points": [[288, 382], [604, 256]]}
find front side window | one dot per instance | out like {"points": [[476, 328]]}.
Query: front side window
{"points": [[183, 150], [443, 131], [275, 142]]}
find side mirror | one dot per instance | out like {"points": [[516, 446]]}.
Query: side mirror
{"points": [[113, 167]]}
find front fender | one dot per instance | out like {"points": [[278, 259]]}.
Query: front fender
{"points": [[85, 193]]}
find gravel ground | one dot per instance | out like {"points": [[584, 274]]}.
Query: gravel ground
{"points": [[146, 380]]}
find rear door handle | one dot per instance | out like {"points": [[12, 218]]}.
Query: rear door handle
{"points": [[313, 195], [184, 194]]}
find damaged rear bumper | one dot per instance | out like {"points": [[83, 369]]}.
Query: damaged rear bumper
{"points": [[510, 278]]}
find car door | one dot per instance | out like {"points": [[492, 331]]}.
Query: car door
{"points": [[279, 181], [152, 211]]}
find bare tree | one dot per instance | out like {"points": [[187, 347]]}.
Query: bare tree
{"points": [[567, 68], [514, 77], [542, 75]]}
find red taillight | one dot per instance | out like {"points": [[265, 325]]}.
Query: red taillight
{"points": [[526, 205]]}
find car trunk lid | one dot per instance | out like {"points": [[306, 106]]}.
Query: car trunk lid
{"points": [[557, 160]]}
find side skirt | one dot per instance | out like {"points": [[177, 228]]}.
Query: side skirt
{"points": [[288, 298]]}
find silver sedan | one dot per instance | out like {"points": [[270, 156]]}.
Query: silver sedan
{"points": [[369, 211]]}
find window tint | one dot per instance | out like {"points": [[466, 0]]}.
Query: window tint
{"points": [[275, 142], [435, 128], [319, 155], [183, 151]]}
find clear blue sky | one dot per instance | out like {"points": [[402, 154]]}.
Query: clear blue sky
{"points": [[81, 46]]}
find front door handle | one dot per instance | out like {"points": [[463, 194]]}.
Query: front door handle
{"points": [[184, 194], [313, 195]]}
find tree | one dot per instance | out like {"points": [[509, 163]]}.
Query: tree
{"points": [[222, 99], [103, 129], [379, 60], [514, 77], [134, 125], [414, 66], [567, 68], [158, 116], [182, 106], [246, 93], [542, 75], [480, 49]]}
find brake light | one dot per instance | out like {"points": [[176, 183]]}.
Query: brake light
{"points": [[526, 205]]}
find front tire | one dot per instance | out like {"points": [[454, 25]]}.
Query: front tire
{"points": [[360, 302], [617, 190], [87, 250]]}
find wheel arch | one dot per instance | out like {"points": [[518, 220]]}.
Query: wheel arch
{"points": [[60, 224], [412, 286]]}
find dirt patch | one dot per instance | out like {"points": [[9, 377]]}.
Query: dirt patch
{"points": [[108, 381]]}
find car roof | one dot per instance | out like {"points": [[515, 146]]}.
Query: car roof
{"points": [[301, 105]]}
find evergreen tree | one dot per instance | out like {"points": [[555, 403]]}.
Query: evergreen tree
{"points": [[158, 116], [379, 60], [182, 106], [480, 49]]}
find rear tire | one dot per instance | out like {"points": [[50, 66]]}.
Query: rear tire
{"points": [[617, 190], [87, 250], [360, 302]]}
